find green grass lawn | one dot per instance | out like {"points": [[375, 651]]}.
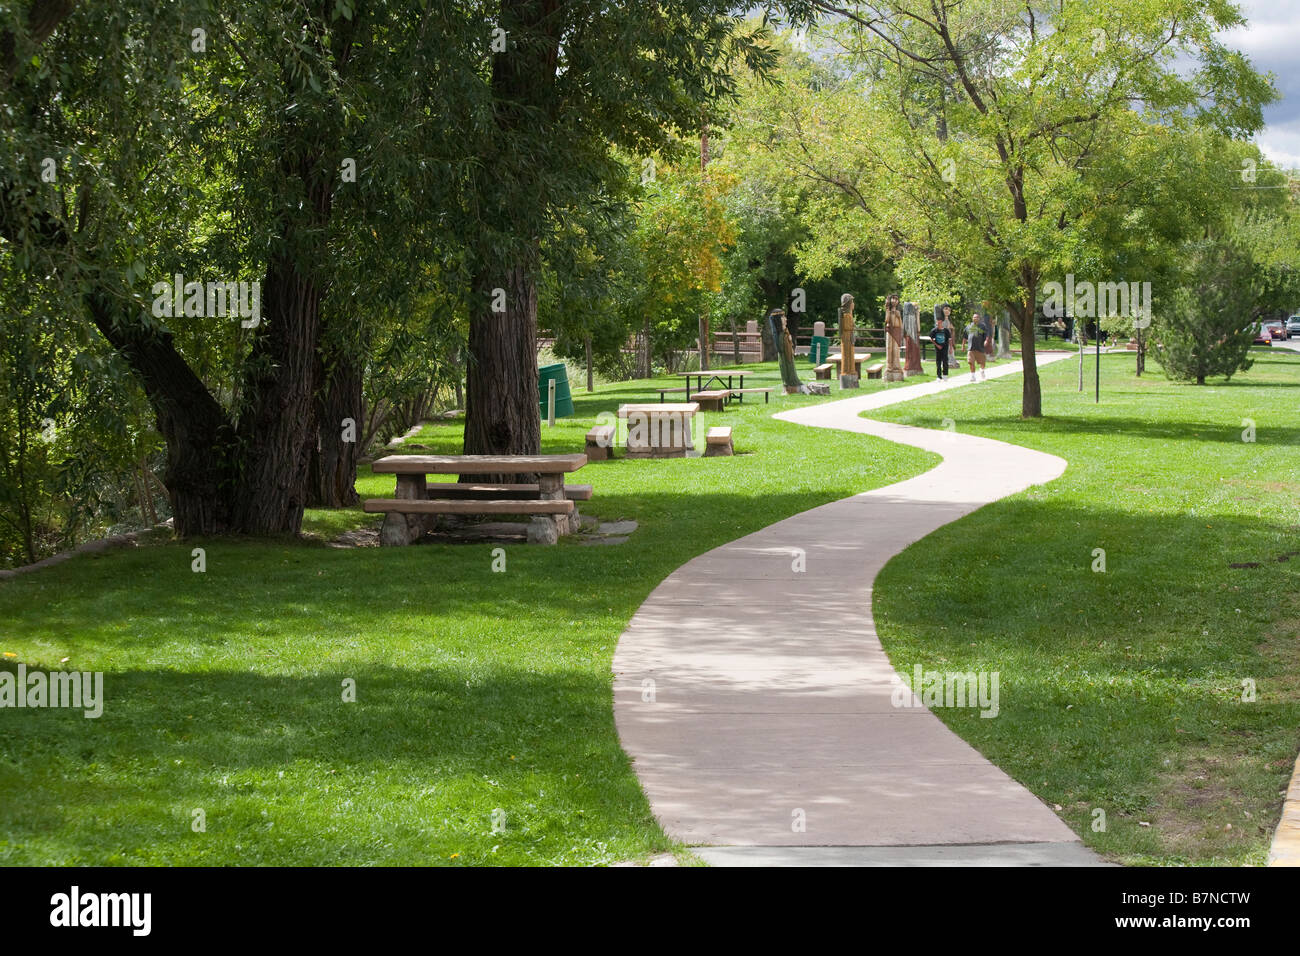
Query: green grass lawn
{"points": [[476, 691], [1122, 691], [480, 692]]}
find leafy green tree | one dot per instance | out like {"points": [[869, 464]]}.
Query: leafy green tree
{"points": [[1208, 323], [998, 144], [258, 142], [571, 79]]}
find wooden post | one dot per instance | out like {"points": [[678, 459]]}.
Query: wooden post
{"points": [[589, 378]]}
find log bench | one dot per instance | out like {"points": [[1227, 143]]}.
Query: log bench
{"points": [[415, 501], [874, 371], [714, 400], [824, 370], [717, 442]]}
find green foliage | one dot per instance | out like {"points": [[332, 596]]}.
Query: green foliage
{"points": [[76, 454], [991, 147], [1207, 326]]}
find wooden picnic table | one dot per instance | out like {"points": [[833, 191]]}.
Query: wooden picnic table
{"points": [[715, 375], [858, 359], [553, 512]]}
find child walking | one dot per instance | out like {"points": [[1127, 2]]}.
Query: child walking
{"points": [[941, 337]]}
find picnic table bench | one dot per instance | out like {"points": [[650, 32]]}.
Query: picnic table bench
{"points": [[742, 392], [417, 499]]}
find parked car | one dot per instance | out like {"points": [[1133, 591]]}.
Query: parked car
{"points": [[1262, 335], [1293, 325], [1277, 329]]}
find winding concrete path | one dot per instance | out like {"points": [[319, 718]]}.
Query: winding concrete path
{"points": [[755, 698]]}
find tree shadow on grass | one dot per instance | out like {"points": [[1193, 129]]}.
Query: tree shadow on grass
{"points": [[255, 749], [1224, 432], [1219, 432]]}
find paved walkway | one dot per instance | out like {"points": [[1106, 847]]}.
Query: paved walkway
{"points": [[755, 699]]}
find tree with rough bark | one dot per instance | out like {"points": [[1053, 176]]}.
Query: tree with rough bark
{"points": [[571, 83], [262, 143]]}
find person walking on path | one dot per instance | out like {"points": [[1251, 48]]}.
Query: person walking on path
{"points": [[976, 345], [942, 339], [986, 320]]}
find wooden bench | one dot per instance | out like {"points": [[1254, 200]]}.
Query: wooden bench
{"points": [[600, 443], [553, 512], [825, 370], [450, 506], [742, 392], [873, 371], [717, 442], [677, 388], [712, 401], [479, 492]]}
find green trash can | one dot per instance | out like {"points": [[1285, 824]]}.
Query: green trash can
{"points": [[559, 374], [820, 348]]}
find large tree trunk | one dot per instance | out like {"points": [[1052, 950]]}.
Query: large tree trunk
{"points": [[502, 405], [333, 471], [502, 412], [278, 431], [1022, 314], [200, 446]]}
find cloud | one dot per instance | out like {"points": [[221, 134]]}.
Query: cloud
{"points": [[1271, 39]]}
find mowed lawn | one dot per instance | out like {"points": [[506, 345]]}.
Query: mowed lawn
{"points": [[1122, 691], [482, 730]]}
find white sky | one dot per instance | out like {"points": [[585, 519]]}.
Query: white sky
{"points": [[1272, 41]]}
